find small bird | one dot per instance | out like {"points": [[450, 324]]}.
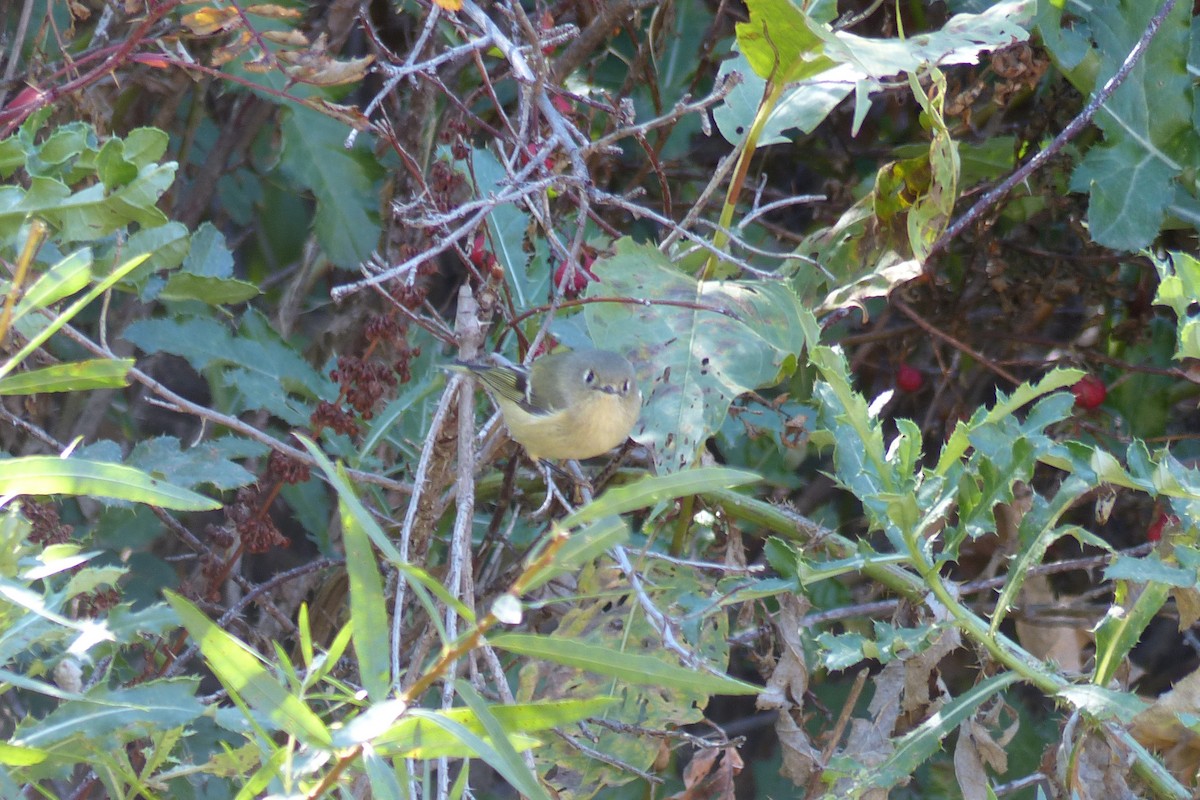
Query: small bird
{"points": [[574, 404]]}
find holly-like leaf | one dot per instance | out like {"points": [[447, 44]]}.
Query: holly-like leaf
{"points": [[713, 342]]}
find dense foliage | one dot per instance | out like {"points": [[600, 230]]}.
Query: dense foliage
{"points": [[911, 291]]}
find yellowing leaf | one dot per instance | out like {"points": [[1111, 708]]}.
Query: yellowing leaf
{"points": [[274, 12], [289, 38], [320, 70], [208, 21]]}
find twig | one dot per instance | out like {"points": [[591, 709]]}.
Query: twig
{"points": [[610, 16], [681, 109], [839, 727], [973, 587], [604, 758], [795, 200], [185, 406], [955, 343]]}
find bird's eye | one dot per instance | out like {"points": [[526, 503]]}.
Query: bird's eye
{"points": [[625, 387], [589, 376]]}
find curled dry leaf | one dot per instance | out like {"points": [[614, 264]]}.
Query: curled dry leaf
{"points": [[273, 11], [1065, 645], [1099, 769], [318, 69], [289, 37], [785, 693], [1158, 728], [976, 750], [709, 775], [209, 20]]}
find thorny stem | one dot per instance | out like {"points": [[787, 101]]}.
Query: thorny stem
{"points": [[917, 587]]}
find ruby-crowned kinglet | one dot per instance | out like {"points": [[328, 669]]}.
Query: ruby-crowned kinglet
{"points": [[575, 404]]}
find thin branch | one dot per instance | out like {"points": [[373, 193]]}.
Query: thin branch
{"points": [[955, 343], [184, 406], [1068, 133]]}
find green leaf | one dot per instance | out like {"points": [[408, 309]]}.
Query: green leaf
{"points": [[370, 526], [208, 256], [1134, 606], [414, 737], [101, 373], [1179, 288], [582, 546], [261, 368], [17, 756], [507, 226], [1150, 569], [1101, 703], [214, 291], [151, 706], [484, 749], [653, 489], [629, 667], [835, 63], [314, 155], [802, 108], [62, 318], [34, 475], [504, 758], [368, 609], [241, 670], [1147, 123], [1038, 530], [692, 361], [65, 278], [207, 462], [779, 42]]}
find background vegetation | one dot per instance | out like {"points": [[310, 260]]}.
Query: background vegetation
{"points": [[912, 507]]}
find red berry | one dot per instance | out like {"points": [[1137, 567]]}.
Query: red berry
{"points": [[909, 378], [477, 251], [1155, 531], [1089, 392], [577, 281]]}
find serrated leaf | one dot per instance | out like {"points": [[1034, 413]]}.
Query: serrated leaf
{"points": [[1147, 123], [916, 747], [692, 361], [209, 256], [203, 463], [1134, 606], [152, 706], [314, 155]]}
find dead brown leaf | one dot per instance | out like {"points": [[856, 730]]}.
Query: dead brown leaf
{"points": [[1065, 645], [710, 775], [1159, 729], [785, 693]]}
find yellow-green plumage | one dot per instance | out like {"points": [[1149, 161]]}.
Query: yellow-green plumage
{"points": [[576, 404]]}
